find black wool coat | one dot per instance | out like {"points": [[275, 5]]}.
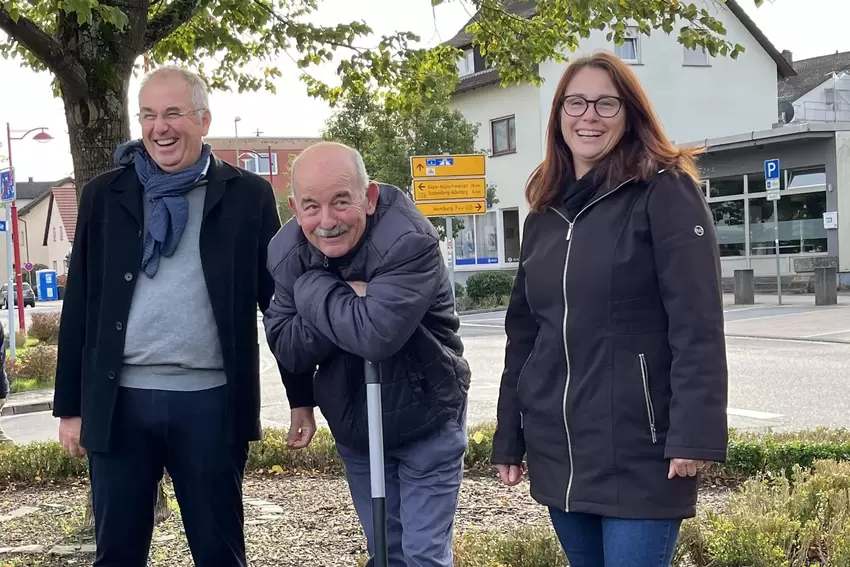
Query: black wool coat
{"points": [[239, 219]]}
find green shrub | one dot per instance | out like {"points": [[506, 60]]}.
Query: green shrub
{"points": [[784, 520], [35, 363], [489, 284], [37, 462], [460, 291], [748, 455], [45, 327]]}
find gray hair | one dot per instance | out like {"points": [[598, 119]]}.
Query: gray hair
{"points": [[197, 87], [359, 165]]}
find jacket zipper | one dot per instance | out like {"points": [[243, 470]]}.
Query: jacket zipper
{"points": [[650, 409], [566, 351]]}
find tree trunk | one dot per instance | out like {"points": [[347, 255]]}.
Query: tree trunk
{"points": [[97, 124]]}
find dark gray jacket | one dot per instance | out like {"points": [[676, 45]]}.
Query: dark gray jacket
{"points": [[616, 358], [406, 323]]}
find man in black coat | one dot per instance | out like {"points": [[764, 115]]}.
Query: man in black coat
{"points": [[4, 383], [158, 346], [359, 276]]}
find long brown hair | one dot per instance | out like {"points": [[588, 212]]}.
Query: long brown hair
{"points": [[640, 153]]}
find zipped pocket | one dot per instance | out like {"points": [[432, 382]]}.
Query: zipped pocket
{"points": [[650, 410]]}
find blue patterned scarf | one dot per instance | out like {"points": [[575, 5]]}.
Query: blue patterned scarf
{"points": [[166, 192]]}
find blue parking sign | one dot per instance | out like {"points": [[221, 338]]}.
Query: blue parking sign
{"points": [[7, 186]]}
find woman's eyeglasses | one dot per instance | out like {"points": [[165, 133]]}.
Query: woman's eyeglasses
{"points": [[606, 106]]}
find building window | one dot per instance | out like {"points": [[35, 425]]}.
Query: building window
{"points": [[629, 52], [55, 266], [503, 135], [62, 233], [477, 241], [258, 163], [726, 186], [696, 57], [801, 228], [730, 224], [812, 177], [466, 63], [54, 234], [510, 238]]}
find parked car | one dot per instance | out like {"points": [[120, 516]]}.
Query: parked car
{"points": [[29, 295]]}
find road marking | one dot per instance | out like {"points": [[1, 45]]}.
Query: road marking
{"points": [[482, 325], [788, 339], [845, 331], [752, 414]]}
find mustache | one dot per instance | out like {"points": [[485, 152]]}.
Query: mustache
{"points": [[331, 232]]}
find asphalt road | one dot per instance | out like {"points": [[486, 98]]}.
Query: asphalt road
{"points": [[789, 369]]}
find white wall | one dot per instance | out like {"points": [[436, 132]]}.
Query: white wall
{"points": [[842, 182], [508, 172], [813, 107], [725, 98]]}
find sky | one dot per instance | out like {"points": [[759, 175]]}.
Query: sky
{"points": [[26, 100]]}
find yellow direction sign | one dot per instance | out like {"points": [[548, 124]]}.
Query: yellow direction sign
{"points": [[442, 189], [456, 208], [466, 165]]}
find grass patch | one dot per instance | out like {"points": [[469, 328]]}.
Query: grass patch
{"points": [[24, 385]]}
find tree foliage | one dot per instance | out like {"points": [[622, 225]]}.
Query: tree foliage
{"points": [[387, 137], [92, 47]]}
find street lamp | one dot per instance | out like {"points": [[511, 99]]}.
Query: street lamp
{"points": [[12, 211], [236, 132]]}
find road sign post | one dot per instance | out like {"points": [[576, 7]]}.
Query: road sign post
{"points": [[773, 185], [449, 186], [7, 195]]}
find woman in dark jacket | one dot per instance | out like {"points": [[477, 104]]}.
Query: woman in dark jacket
{"points": [[615, 381]]}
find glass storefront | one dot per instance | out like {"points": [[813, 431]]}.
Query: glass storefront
{"points": [[744, 219]]}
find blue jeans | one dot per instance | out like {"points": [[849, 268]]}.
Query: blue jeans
{"points": [[422, 487], [595, 541]]}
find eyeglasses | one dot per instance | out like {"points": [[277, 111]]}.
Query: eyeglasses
{"points": [[169, 116], [606, 106]]}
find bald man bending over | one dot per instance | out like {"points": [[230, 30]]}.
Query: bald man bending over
{"points": [[359, 275]]}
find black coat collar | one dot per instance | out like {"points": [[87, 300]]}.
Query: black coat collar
{"points": [[129, 189]]}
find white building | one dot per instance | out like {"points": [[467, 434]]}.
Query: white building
{"points": [[819, 92], [695, 95]]}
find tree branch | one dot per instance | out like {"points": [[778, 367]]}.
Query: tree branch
{"points": [[175, 15], [69, 71]]}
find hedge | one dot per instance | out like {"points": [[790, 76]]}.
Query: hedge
{"points": [[749, 454]]}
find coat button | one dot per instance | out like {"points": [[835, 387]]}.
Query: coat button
{"points": [[119, 326], [111, 375], [128, 276]]}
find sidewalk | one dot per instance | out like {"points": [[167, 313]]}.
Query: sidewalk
{"points": [[28, 402]]}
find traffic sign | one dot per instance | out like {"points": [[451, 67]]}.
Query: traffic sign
{"points": [[456, 188], [28, 267], [2, 226], [453, 208], [771, 174], [464, 165], [7, 186]]}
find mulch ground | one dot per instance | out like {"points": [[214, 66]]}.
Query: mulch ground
{"points": [[315, 524]]}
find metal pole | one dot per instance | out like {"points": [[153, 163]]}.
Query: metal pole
{"points": [[17, 246], [776, 244], [450, 247], [376, 462], [11, 279]]}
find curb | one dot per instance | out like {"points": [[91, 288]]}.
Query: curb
{"points": [[24, 408], [795, 339], [481, 311]]}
